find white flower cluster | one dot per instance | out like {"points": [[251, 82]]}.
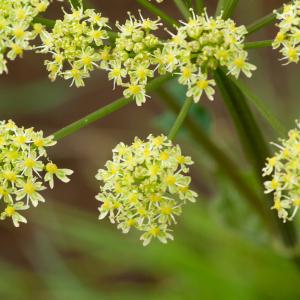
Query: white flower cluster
{"points": [[284, 167], [288, 37], [145, 187], [200, 46], [23, 160], [16, 31], [131, 62], [75, 44]]}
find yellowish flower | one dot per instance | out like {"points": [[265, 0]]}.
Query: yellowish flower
{"points": [[24, 169], [16, 32], [284, 169], [145, 187], [288, 36]]}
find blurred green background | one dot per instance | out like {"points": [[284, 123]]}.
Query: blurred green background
{"points": [[220, 250]]}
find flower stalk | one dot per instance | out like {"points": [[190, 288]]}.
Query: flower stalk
{"points": [[258, 44], [262, 22], [105, 111], [181, 118], [224, 161]]}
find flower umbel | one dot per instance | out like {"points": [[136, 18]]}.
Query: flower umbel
{"points": [[131, 62], [145, 186], [25, 168], [200, 46], [16, 31], [75, 44], [284, 168], [288, 36]]}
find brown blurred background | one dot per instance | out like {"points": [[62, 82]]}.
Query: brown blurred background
{"points": [[48, 260]]}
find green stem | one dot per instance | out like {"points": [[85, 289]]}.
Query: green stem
{"points": [[199, 6], [180, 118], [94, 116], [158, 12], [221, 158], [258, 44], [262, 22], [254, 145], [182, 8], [105, 111], [227, 7], [46, 22]]}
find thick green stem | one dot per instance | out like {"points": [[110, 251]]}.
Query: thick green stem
{"points": [[182, 8], [258, 44], [254, 145], [180, 118], [158, 12], [221, 158], [105, 111], [227, 7]]}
